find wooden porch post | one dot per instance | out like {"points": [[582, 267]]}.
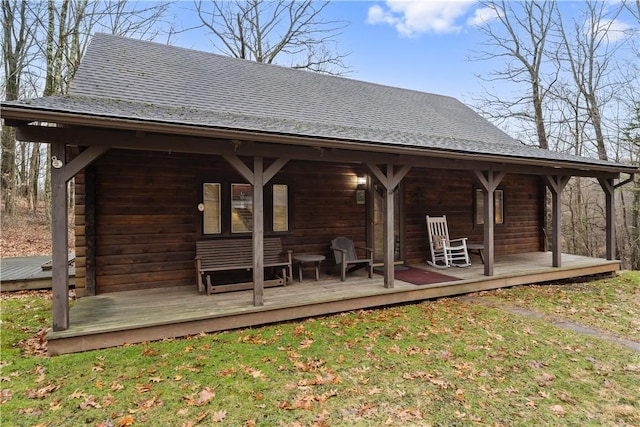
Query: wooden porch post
{"points": [[489, 181], [61, 173], [556, 184], [389, 221], [608, 187], [257, 178], [390, 182], [258, 232], [59, 238]]}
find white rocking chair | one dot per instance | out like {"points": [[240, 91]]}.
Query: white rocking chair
{"points": [[445, 252]]}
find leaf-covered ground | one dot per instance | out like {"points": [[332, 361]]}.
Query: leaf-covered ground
{"points": [[27, 233], [612, 305], [439, 363]]}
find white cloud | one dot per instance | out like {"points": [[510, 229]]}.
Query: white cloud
{"points": [[411, 18], [482, 15], [615, 30]]}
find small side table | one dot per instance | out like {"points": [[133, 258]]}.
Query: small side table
{"points": [[478, 247], [302, 258]]}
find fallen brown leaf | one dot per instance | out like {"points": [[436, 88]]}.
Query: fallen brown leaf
{"points": [[127, 420], [558, 410], [43, 392], [218, 416]]}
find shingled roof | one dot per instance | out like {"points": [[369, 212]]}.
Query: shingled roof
{"points": [[129, 79]]}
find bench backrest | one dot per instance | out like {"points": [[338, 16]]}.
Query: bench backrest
{"points": [[214, 254]]}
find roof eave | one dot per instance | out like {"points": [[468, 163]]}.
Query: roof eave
{"points": [[25, 114]]}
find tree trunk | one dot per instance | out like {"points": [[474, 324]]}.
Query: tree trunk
{"points": [[34, 175], [9, 169], [635, 226]]}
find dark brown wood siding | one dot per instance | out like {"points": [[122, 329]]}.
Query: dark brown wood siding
{"points": [[324, 206], [147, 220], [145, 212], [451, 193], [79, 234]]}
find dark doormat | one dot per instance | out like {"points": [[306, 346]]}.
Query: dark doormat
{"points": [[417, 276], [380, 270]]}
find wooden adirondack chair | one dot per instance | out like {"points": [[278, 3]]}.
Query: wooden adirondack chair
{"points": [[347, 257], [445, 252]]}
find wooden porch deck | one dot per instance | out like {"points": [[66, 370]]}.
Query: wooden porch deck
{"points": [[137, 316], [27, 273]]}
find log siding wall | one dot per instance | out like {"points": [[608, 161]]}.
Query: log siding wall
{"points": [[451, 193], [146, 217]]}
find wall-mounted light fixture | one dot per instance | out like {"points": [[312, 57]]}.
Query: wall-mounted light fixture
{"points": [[361, 195], [56, 162]]}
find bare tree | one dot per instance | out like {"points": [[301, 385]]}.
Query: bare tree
{"points": [[42, 45], [18, 38], [520, 40], [631, 208], [589, 53], [274, 32]]}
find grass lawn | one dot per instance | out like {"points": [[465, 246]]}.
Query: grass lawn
{"points": [[612, 305], [439, 362]]}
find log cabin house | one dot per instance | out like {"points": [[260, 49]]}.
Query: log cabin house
{"points": [[169, 146]]}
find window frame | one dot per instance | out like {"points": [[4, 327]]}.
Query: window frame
{"points": [[478, 207], [226, 206]]}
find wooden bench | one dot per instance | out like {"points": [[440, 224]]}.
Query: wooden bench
{"points": [[237, 254]]}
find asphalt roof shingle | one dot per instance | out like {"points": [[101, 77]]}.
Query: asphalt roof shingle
{"points": [[146, 72], [125, 78]]}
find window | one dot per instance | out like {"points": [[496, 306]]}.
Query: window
{"points": [[211, 215], [228, 208], [499, 206], [280, 207], [241, 208]]}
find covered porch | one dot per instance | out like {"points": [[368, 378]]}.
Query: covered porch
{"points": [[118, 318]]}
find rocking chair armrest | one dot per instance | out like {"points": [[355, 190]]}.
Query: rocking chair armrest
{"points": [[461, 239]]}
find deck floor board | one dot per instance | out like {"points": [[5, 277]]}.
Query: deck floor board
{"points": [[182, 310]]}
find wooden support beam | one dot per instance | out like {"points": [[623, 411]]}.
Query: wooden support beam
{"points": [[274, 168], [556, 184], [390, 182], [388, 234], [625, 182], [59, 239], [385, 181], [257, 178], [608, 187], [240, 167], [398, 175], [258, 232], [298, 149], [84, 159], [489, 180]]}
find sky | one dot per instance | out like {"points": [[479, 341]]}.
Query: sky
{"points": [[421, 45]]}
